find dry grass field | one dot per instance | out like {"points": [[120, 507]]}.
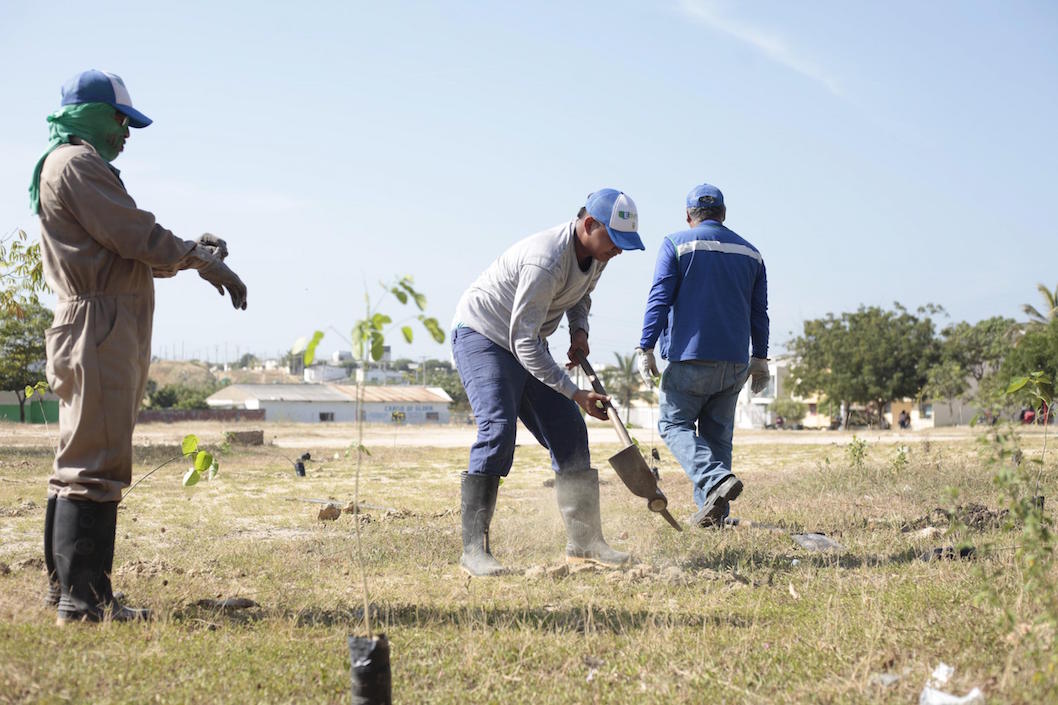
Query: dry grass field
{"points": [[742, 615]]}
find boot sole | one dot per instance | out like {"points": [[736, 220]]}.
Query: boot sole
{"points": [[130, 615], [727, 492], [85, 619], [493, 574], [580, 560]]}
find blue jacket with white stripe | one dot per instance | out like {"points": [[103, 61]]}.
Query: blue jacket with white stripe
{"points": [[709, 297]]}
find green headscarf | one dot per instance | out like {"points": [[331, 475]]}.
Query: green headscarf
{"points": [[92, 122]]}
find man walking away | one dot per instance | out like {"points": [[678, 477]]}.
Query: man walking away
{"points": [[707, 303]]}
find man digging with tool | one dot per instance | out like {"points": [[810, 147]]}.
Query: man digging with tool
{"points": [[499, 343], [100, 254], [709, 298]]}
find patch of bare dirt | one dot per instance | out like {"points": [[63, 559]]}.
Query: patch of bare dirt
{"points": [[973, 516], [150, 568], [272, 534], [28, 564], [638, 573], [18, 510]]}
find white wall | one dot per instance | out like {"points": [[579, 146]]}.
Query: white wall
{"points": [[382, 412], [309, 412]]}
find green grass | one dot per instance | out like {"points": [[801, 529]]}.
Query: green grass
{"points": [[736, 616]]}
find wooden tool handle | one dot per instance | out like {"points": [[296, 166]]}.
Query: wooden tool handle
{"points": [[596, 384], [592, 377]]}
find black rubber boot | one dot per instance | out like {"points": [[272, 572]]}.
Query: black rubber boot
{"points": [[578, 501], [477, 506], [83, 549], [51, 598], [116, 599]]}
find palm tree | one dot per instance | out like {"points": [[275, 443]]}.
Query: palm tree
{"points": [[622, 381], [1050, 307]]}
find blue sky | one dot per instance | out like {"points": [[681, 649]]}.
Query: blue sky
{"points": [[873, 152]]}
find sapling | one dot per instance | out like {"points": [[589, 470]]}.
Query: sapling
{"points": [[202, 463], [369, 672], [369, 340], [1033, 609], [857, 452], [1040, 389], [39, 389]]}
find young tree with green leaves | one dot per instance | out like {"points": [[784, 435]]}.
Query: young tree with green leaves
{"points": [[22, 352], [1037, 351], [368, 341], [870, 356], [946, 380], [791, 410], [979, 347], [21, 274], [247, 361], [968, 353]]}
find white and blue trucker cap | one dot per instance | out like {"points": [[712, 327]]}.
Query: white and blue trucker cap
{"points": [[94, 86], [618, 213]]}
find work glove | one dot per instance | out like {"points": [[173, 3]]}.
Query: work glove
{"points": [[758, 372], [212, 269], [648, 366], [214, 244]]}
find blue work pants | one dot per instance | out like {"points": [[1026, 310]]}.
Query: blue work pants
{"points": [[501, 391]]}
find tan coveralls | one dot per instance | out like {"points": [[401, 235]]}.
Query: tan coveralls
{"points": [[100, 254]]}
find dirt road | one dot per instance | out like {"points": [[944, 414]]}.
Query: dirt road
{"points": [[340, 435]]}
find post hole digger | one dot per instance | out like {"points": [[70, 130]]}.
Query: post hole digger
{"points": [[629, 463]]}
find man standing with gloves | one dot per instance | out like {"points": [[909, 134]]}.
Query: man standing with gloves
{"points": [[100, 254], [499, 343], [708, 300]]}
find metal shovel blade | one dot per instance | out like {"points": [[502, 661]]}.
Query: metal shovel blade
{"points": [[634, 472], [629, 463], [637, 476]]}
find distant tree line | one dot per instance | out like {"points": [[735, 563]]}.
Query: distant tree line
{"points": [[872, 356]]}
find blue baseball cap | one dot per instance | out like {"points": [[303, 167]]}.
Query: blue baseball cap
{"points": [[94, 86], [618, 213], [705, 196]]}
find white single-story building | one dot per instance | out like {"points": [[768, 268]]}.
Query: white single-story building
{"points": [[314, 403]]}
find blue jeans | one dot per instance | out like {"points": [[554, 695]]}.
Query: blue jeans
{"points": [[501, 391], [697, 418]]}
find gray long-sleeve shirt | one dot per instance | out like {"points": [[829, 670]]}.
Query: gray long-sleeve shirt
{"points": [[520, 299]]}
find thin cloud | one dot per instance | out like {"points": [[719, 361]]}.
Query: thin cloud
{"points": [[710, 13]]}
